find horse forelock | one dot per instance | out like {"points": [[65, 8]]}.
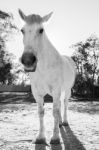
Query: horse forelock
{"points": [[31, 19]]}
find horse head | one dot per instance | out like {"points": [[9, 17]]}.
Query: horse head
{"points": [[33, 39]]}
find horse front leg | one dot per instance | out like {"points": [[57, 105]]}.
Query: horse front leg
{"points": [[41, 136], [56, 114]]}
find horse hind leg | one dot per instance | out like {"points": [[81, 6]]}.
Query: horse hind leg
{"points": [[67, 96], [61, 105], [60, 117]]}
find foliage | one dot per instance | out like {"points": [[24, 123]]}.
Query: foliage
{"points": [[6, 65], [6, 29], [21, 77], [86, 57], [7, 26]]}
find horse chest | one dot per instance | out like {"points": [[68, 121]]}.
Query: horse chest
{"points": [[40, 84]]}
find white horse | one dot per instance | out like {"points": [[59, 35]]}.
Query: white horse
{"points": [[50, 73]]}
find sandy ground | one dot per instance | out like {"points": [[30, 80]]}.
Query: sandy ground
{"points": [[19, 126]]}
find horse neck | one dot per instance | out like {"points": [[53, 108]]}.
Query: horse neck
{"points": [[49, 55]]}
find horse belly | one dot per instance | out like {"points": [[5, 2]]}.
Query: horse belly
{"points": [[68, 73]]}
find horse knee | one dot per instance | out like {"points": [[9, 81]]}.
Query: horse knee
{"points": [[41, 114], [56, 112], [41, 111]]}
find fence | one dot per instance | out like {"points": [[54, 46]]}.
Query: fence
{"points": [[15, 88], [21, 88]]}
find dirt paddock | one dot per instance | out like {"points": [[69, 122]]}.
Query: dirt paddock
{"points": [[19, 125]]}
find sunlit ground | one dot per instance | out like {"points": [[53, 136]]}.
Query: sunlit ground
{"points": [[19, 126]]}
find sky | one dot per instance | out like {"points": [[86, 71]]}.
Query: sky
{"points": [[72, 21]]}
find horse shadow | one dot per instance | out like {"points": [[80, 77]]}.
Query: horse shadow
{"points": [[40, 147], [69, 141], [49, 147]]}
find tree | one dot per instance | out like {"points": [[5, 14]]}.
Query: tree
{"points": [[86, 57], [7, 27], [21, 77]]}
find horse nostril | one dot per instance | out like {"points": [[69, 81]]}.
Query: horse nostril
{"points": [[20, 60], [33, 59], [23, 61]]}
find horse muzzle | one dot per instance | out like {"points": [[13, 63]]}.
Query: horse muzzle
{"points": [[29, 61]]}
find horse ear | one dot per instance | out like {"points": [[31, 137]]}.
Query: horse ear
{"points": [[46, 18], [22, 15]]}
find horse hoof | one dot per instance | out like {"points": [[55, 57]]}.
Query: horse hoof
{"points": [[55, 141], [40, 141], [60, 125], [65, 124]]}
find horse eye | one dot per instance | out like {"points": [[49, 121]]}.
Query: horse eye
{"points": [[41, 30], [23, 32]]}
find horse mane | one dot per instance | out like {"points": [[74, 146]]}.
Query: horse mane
{"points": [[31, 19]]}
